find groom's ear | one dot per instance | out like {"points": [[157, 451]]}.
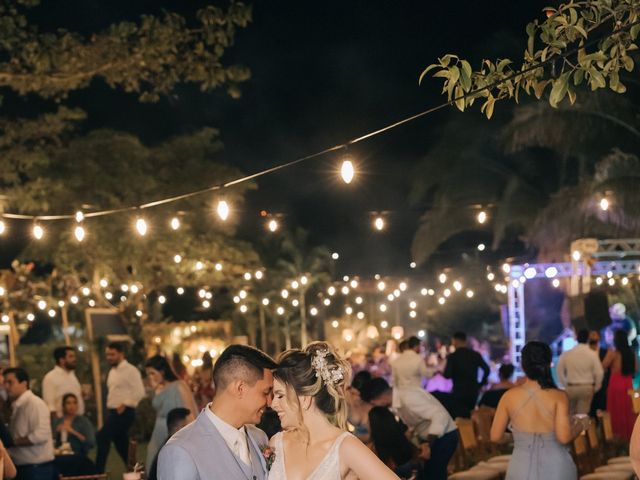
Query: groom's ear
{"points": [[237, 388]]}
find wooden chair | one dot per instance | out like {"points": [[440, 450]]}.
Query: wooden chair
{"points": [[609, 438], [98, 476], [132, 455], [596, 456], [581, 454], [469, 443]]}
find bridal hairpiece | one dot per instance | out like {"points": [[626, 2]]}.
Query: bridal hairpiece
{"points": [[329, 375]]}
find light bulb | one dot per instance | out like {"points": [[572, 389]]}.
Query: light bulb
{"points": [[481, 247], [2, 227], [347, 171], [175, 223], [141, 226], [313, 311], [265, 302], [38, 232], [335, 255], [378, 223], [79, 216], [604, 204], [482, 217], [280, 311], [442, 277], [177, 258], [223, 210], [79, 233], [272, 225]]}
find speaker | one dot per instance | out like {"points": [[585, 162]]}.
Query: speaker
{"points": [[596, 310]]}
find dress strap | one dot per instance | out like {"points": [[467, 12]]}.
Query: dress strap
{"points": [[533, 395]]}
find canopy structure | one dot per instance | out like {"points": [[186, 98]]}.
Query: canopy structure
{"points": [[589, 258]]}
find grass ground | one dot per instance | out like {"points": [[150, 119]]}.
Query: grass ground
{"points": [[115, 466]]}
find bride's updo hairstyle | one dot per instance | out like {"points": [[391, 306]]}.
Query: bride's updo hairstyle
{"points": [[317, 372], [536, 363]]}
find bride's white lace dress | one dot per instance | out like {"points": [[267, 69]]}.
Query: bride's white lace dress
{"points": [[327, 469]]}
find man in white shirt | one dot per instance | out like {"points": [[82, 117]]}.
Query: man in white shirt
{"points": [[30, 428], [62, 380], [425, 415], [580, 373], [125, 390], [409, 368]]}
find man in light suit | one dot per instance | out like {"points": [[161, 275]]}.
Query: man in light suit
{"points": [[223, 442]]}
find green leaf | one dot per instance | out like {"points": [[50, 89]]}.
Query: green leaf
{"points": [[454, 76], [559, 89], [427, 70], [460, 102]]}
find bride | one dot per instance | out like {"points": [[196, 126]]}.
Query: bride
{"points": [[309, 397]]}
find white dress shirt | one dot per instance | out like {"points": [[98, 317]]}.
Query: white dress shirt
{"points": [[408, 369], [31, 419], [235, 438], [423, 412], [125, 386], [580, 366], [58, 382]]}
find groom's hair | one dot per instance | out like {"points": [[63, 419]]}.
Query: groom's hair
{"points": [[241, 362]]}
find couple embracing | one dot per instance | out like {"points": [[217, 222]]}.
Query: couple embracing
{"points": [[307, 390]]}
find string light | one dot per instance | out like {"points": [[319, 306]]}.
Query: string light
{"points": [[79, 233], [481, 247], [347, 171], [295, 302], [61, 303], [442, 278], [141, 226], [576, 255], [2, 227], [604, 204], [383, 307], [391, 297], [413, 265], [177, 258], [360, 315], [403, 286], [335, 324], [413, 314], [74, 299], [236, 299], [180, 290], [345, 290], [326, 302], [5, 318], [304, 280], [424, 292], [272, 225], [335, 255], [412, 305], [258, 274], [624, 281], [218, 267], [470, 293], [482, 217], [223, 210], [555, 283], [599, 280], [51, 312], [265, 302], [441, 300], [30, 317], [359, 300], [108, 295], [378, 223], [247, 276], [457, 285], [381, 286], [175, 223], [354, 284], [280, 310], [104, 283], [243, 308], [79, 216], [384, 324], [285, 294], [447, 292], [38, 232]]}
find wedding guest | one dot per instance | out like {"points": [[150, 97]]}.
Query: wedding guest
{"points": [[621, 361], [599, 401], [462, 367], [358, 409], [492, 397], [125, 390], [176, 419], [580, 373], [432, 426], [30, 428], [77, 431], [409, 368], [168, 393], [391, 444], [538, 413], [61, 380]]}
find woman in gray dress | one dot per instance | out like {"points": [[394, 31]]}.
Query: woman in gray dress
{"points": [[538, 416], [169, 392]]}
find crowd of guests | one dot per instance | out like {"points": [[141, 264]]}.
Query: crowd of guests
{"points": [[388, 406]]}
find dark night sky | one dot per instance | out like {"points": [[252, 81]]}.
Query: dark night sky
{"points": [[322, 73]]}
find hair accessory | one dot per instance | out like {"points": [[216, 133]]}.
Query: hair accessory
{"points": [[329, 375]]}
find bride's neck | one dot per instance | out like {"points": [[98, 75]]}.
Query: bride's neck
{"points": [[318, 425]]}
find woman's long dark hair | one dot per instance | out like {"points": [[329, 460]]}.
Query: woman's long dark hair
{"points": [[388, 437], [621, 342], [536, 363], [160, 363]]}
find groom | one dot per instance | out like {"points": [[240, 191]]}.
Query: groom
{"points": [[223, 443]]}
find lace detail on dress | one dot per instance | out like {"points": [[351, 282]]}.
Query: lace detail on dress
{"points": [[327, 469]]}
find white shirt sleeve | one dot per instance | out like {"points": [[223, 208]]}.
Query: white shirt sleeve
{"points": [[137, 387], [560, 370], [41, 431], [49, 392]]}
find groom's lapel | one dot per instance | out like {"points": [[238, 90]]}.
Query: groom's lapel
{"points": [[221, 446], [256, 452]]}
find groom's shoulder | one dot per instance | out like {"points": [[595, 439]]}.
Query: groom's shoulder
{"points": [[186, 434]]}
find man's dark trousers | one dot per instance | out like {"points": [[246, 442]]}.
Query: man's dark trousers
{"points": [[116, 429]]}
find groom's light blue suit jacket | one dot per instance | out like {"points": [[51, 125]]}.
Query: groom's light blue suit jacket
{"points": [[198, 452]]}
